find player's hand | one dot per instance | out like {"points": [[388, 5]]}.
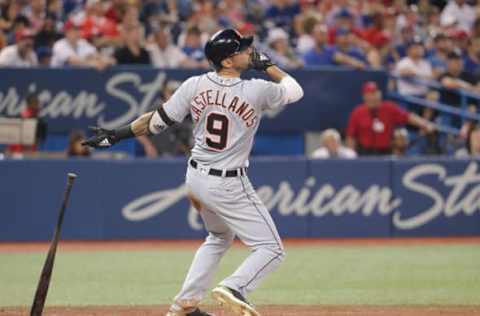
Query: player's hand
{"points": [[103, 138], [259, 61]]}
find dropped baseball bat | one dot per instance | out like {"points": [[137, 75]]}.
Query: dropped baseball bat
{"points": [[44, 282]]}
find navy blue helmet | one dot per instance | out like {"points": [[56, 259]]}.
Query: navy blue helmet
{"points": [[224, 44]]}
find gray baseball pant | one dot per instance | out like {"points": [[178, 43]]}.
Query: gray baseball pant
{"points": [[230, 207]]}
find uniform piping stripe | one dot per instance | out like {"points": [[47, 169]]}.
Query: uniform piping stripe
{"points": [[260, 213], [221, 84], [256, 274], [271, 230]]}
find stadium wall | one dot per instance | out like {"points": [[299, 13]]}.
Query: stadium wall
{"points": [[145, 199], [76, 98]]}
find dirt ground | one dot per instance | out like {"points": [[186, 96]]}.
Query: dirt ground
{"points": [[141, 245], [276, 310]]}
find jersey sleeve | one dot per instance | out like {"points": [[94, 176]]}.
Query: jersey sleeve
{"points": [[178, 106], [271, 95]]}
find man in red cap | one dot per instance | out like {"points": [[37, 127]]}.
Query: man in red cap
{"points": [[371, 124], [21, 53]]}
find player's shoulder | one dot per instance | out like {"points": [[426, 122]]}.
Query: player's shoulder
{"points": [[192, 82], [258, 83]]}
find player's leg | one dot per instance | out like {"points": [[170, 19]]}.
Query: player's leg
{"points": [[205, 262], [207, 257], [243, 211]]}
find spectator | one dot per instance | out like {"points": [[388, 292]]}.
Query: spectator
{"points": [[75, 51], [94, 25], [472, 146], [19, 24], [344, 46], [10, 11], [20, 54], [280, 51], [406, 36], [205, 17], [163, 53], [456, 78], [343, 21], [177, 139], [472, 60], [233, 12], [35, 12], [44, 55], [116, 10], [48, 34], [193, 48], [322, 54], [306, 41], [442, 46], [75, 147], [332, 147], [281, 13], [133, 52], [31, 111], [458, 12], [55, 8], [413, 66], [400, 142], [371, 124]]}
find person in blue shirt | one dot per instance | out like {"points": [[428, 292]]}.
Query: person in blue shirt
{"points": [[442, 46], [323, 55], [193, 48], [344, 44], [282, 12], [472, 59]]}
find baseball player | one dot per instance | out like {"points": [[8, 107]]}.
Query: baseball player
{"points": [[226, 112]]}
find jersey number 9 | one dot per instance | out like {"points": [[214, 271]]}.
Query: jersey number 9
{"points": [[217, 129]]}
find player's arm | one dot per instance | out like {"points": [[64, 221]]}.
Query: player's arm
{"points": [[149, 123], [261, 62]]}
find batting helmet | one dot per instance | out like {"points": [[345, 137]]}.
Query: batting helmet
{"points": [[224, 44]]}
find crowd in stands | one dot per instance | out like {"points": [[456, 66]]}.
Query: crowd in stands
{"points": [[425, 39], [370, 34]]}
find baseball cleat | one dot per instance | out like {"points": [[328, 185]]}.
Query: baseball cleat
{"points": [[234, 301], [196, 312]]}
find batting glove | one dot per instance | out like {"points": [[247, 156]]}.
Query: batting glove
{"points": [[102, 138], [259, 61]]}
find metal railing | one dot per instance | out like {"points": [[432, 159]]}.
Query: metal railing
{"points": [[441, 107]]}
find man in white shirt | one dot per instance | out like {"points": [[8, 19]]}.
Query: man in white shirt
{"points": [[21, 53], [413, 66], [163, 53], [75, 51], [458, 12], [332, 147]]}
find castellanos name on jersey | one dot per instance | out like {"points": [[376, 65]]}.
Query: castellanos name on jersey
{"points": [[226, 113]]}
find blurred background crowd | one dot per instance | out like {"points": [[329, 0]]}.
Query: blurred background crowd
{"points": [[435, 41], [373, 34]]}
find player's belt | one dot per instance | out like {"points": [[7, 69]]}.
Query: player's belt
{"points": [[220, 172]]}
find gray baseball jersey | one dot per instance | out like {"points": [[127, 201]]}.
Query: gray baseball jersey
{"points": [[226, 113]]}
